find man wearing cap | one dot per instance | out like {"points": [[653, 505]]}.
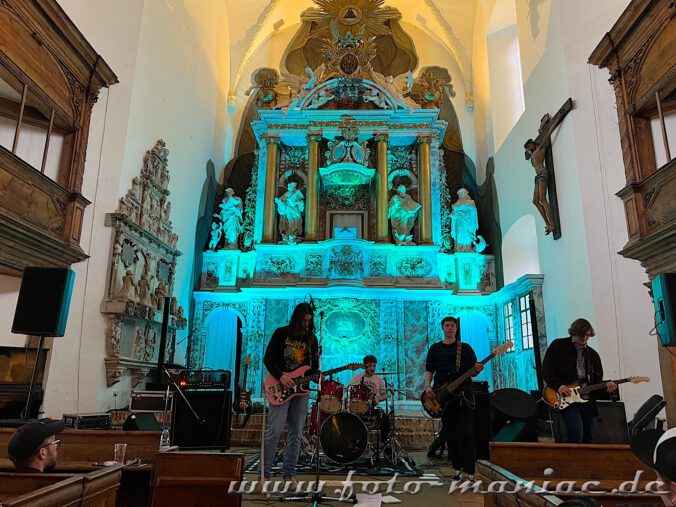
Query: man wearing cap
{"points": [[657, 449], [33, 447]]}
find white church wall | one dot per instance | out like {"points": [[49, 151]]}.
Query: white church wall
{"points": [[624, 313], [170, 87], [483, 118], [584, 276], [520, 254]]}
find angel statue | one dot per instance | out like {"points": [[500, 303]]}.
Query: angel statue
{"points": [[231, 218], [397, 88], [290, 208], [301, 85], [402, 213], [464, 222]]}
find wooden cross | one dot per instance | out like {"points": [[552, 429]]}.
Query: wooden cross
{"points": [[547, 126]]}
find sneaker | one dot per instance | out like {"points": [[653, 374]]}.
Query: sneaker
{"points": [[457, 475]]}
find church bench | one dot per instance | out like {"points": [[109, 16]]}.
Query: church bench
{"points": [[489, 473], [196, 478], [96, 489], [40, 490], [609, 465], [97, 445]]}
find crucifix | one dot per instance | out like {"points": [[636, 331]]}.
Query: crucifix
{"points": [[539, 152]]}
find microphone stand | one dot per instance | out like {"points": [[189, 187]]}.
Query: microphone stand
{"points": [[317, 496]]}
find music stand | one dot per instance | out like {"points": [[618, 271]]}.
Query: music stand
{"points": [[317, 496]]}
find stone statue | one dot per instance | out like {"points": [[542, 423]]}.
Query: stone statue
{"points": [[231, 218], [139, 346], [290, 208], [215, 235], [128, 290], [144, 289], [402, 213], [464, 222], [160, 294], [115, 336]]}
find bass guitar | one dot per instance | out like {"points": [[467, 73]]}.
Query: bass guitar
{"points": [[558, 401], [277, 394], [434, 405]]}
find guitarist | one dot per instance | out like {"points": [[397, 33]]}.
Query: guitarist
{"points": [[290, 348], [446, 361], [568, 361]]}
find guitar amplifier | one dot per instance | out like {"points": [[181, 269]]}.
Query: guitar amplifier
{"points": [[100, 421], [150, 401]]}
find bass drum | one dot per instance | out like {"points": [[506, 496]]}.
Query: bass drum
{"points": [[343, 438]]}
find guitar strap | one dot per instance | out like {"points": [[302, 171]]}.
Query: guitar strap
{"points": [[458, 356]]}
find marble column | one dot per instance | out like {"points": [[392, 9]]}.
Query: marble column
{"points": [[312, 190], [425, 189], [269, 234], [382, 231]]}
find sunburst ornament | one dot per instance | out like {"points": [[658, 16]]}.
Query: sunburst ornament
{"points": [[343, 19]]}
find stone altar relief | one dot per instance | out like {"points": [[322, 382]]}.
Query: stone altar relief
{"points": [[141, 275]]}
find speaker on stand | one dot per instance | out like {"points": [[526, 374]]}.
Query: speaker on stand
{"points": [[42, 310]]}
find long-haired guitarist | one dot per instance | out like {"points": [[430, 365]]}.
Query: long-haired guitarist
{"points": [[570, 361], [290, 347], [446, 361]]}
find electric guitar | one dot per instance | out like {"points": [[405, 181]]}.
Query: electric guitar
{"points": [[277, 394], [434, 405], [558, 401], [244, 404]]}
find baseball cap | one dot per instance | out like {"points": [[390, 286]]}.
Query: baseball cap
{"points": [[28, 438], [657, 449]]}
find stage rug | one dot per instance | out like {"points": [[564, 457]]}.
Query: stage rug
{"points": [[405, 466]]}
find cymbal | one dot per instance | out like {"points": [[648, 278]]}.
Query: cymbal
{"points": [[386, 373]]}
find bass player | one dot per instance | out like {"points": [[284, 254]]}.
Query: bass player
{"points": [[447, 360], [290, 347], [569, 361]]}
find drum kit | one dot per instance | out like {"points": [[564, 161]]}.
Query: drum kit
{"points": [[344, 423]]}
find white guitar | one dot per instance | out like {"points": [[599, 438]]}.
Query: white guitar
{"points": [[559, 402]]}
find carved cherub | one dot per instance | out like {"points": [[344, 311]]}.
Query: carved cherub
{"points": [[128, 290]]}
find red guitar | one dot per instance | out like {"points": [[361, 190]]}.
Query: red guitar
{"points": [[277, 394]]}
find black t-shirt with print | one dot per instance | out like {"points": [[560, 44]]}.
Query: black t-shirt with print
{"points": [[287, 352]]}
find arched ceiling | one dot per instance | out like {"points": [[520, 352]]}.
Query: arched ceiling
{"points": [[251, 22]]}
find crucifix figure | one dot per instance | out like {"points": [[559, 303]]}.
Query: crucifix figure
{"points": [[539, 152]]}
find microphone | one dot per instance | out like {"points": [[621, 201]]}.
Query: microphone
{"points": [[312, 304]]}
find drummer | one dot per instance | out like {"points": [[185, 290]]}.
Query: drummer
{"points": [[368, 377], [377, 385]]}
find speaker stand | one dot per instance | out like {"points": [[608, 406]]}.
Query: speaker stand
{"points": [[34, 379]]}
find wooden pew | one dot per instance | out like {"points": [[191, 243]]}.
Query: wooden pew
{"points": [[41, 490], [81, 448], [96, 489], [512, 495], [610, 465], [196, 478]]}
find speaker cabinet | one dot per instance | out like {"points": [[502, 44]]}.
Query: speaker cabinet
{"points": [[144, 421], [44, 299], [482, 424], [611, 427], [664, 298], [214, 408]]}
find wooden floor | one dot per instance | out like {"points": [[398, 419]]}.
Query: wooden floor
{"points": [[430, 490]]}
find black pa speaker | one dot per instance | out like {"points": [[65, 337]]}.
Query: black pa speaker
{"points": [[44, 299], [482, 420], [142, 421], [214, 408]]}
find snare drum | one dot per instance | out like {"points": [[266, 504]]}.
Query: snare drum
{"points": [[331, 396], [361, 398]]}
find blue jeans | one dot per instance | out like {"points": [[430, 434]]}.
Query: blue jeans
{"points": [[293, 413], [580, 421]]}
